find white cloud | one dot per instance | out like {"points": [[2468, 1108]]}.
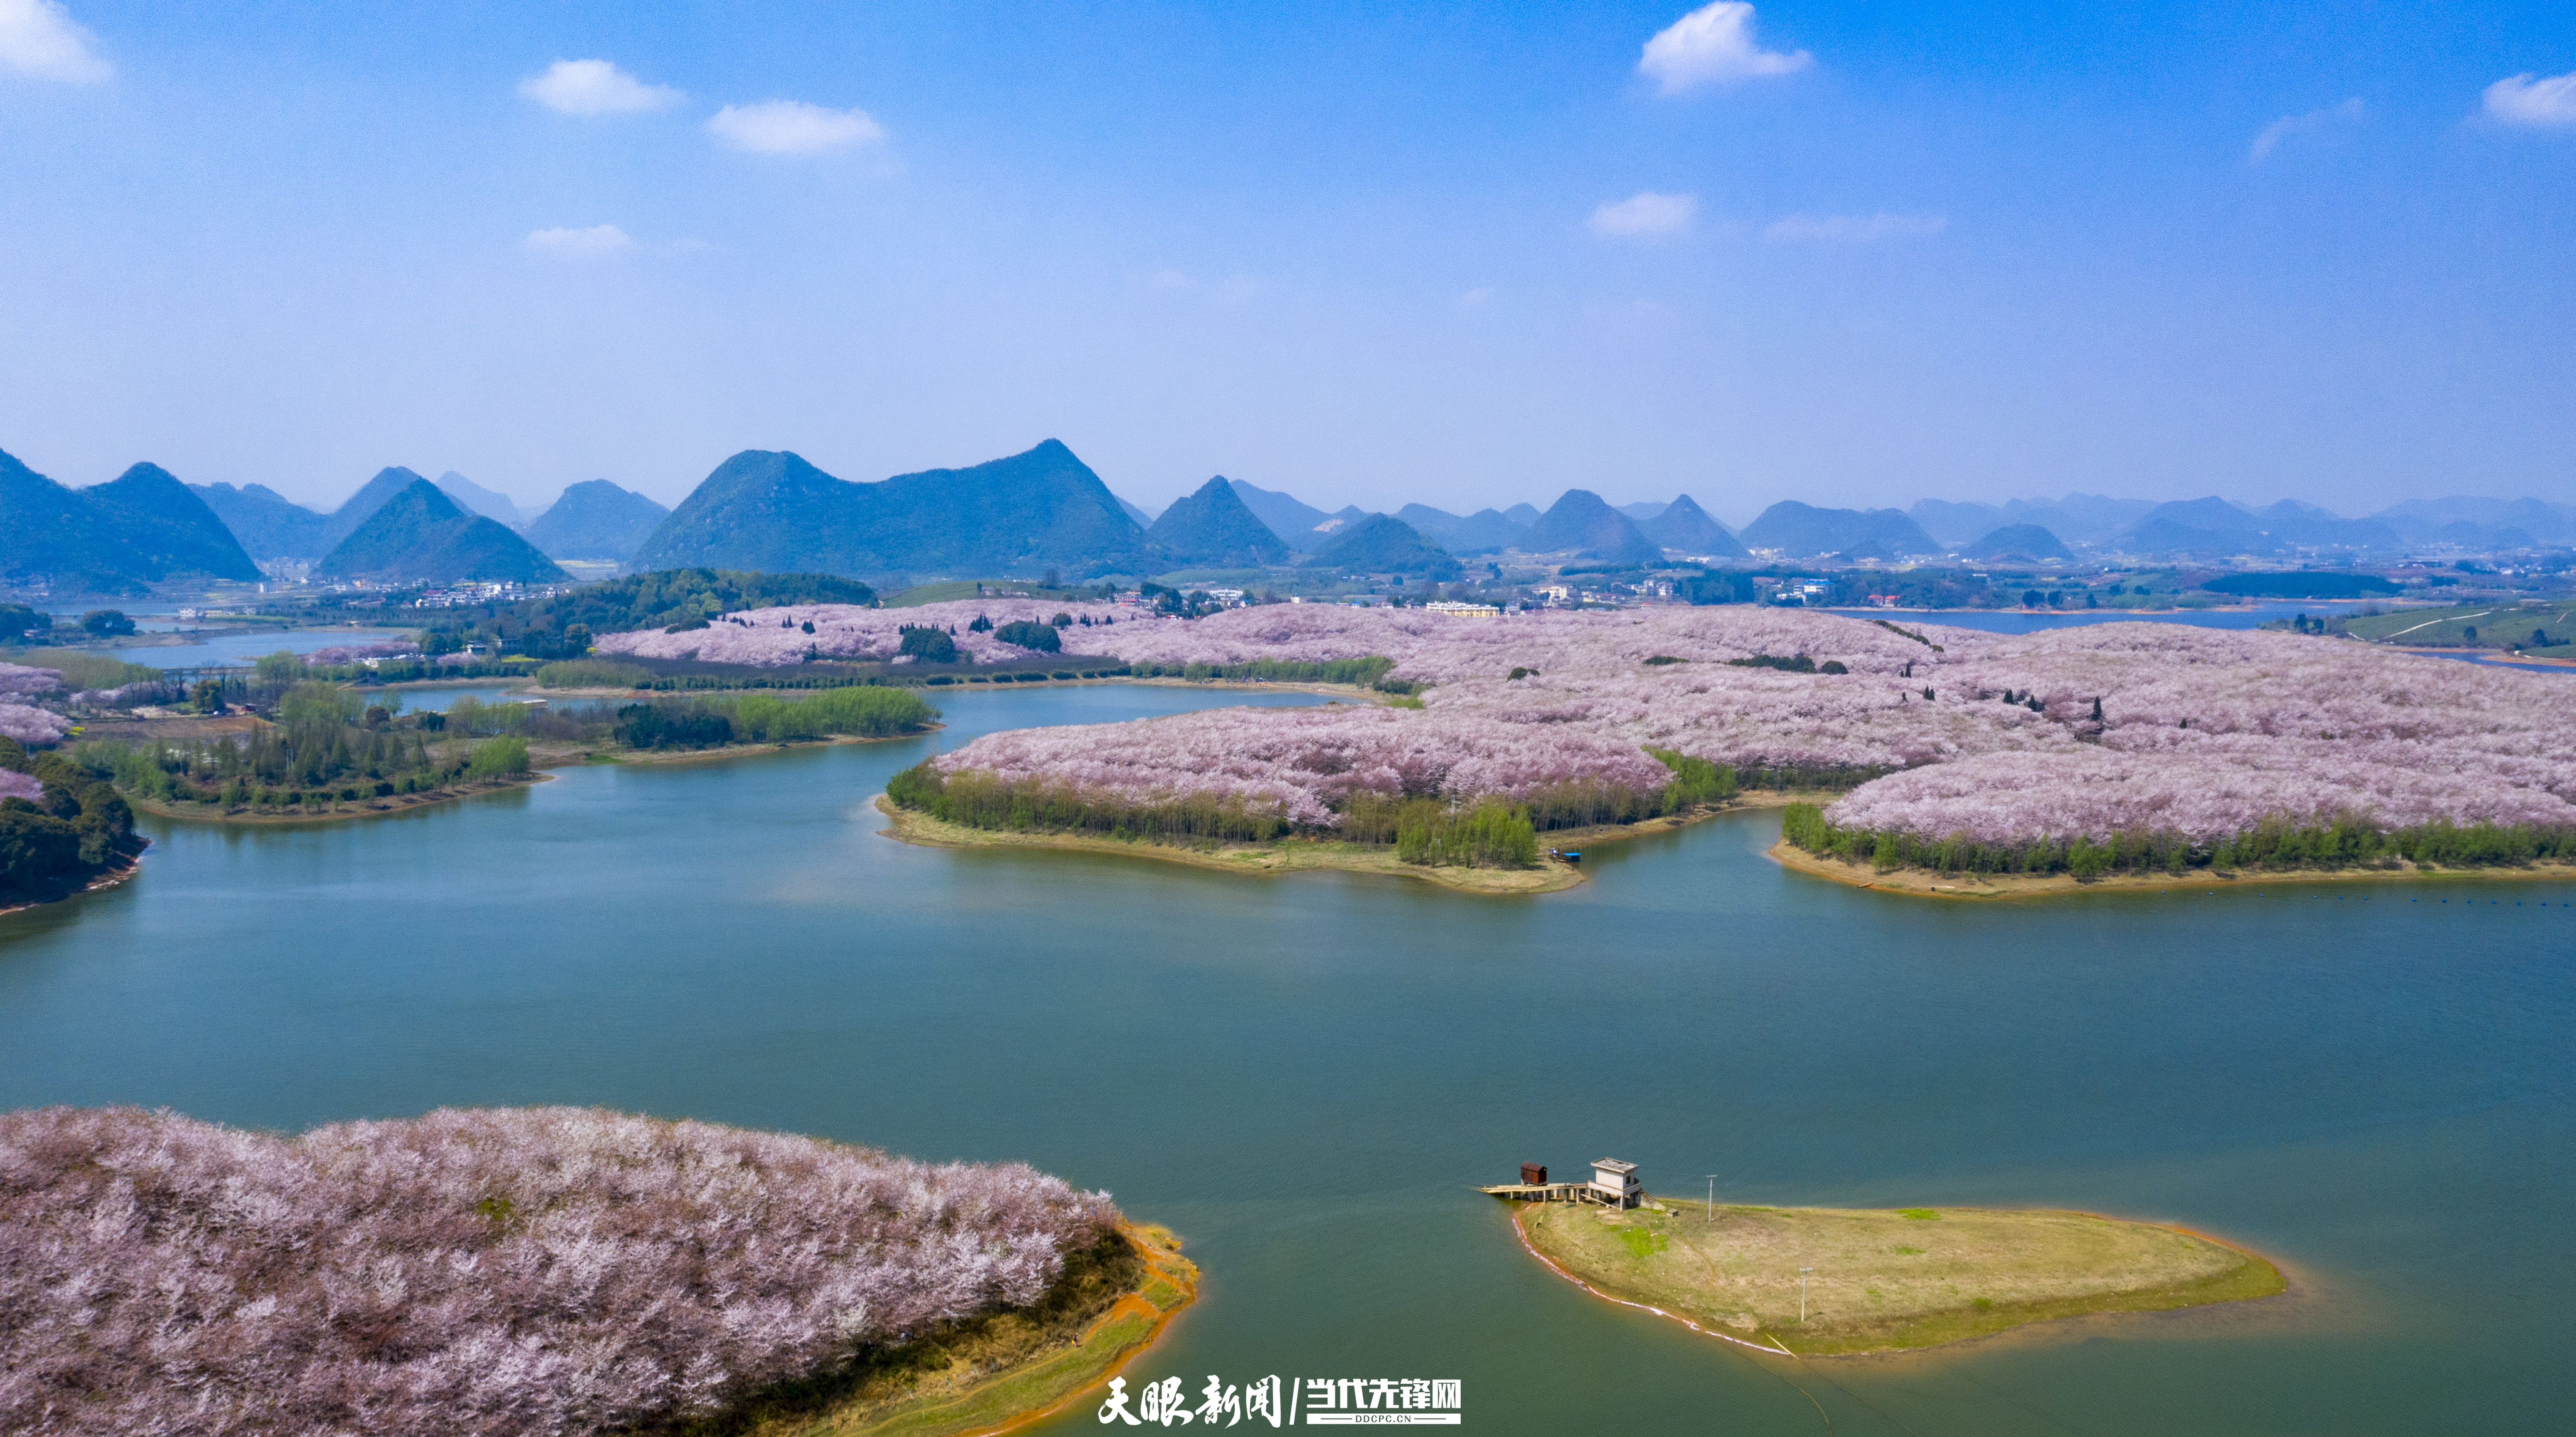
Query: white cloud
{"points": [[595, 87], [40, 38], [1646, 214], [2347, 113], [1476, 298], [1851, 229], [580, 244], [792, 127], [2542, 104], [1713, 44]]}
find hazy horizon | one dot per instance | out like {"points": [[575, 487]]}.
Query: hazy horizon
{"points": [[1815, 251]]}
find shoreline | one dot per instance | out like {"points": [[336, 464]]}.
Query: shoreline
{"points": [[353, 810], [540, 759], [1305, 855], [113, 877], [1291, 856], [1984, 1324], [1039, 1385], [1925, 883]]}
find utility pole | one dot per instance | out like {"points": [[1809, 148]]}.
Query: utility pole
{"points": [[1712, 1198], [1802, 1294]]}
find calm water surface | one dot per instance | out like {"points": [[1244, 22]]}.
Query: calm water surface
{"points": [[2019, 621], [1304, 1075], [242, 648]]}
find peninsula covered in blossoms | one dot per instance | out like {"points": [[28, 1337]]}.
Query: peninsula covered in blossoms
{"points": [[2123, 748], [544, 1270]]}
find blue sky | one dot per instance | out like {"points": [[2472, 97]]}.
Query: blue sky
{"points": [[1852, 254]]}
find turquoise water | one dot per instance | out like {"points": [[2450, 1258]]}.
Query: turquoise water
{"points": [[243, 648], [2018, 621], [410, 700], [1304, 1075]]}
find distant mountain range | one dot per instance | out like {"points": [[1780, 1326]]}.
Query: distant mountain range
{"points": [[592, 520], [115, 538], [1803, 531], [774, 512], [1045, 509]]}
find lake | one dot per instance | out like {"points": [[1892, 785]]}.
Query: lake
{"points": [[243, 648], [2030, 621], [1305, 1075]]}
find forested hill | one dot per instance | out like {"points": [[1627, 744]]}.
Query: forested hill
{"points": [[1213, 529], [596, 520], [1579, 520], [1802, 530], [1382, 545], [269, 525], [420, 534], [115, 538], [774, 512], [367, 503]]}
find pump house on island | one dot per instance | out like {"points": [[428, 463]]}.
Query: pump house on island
{"points": [[1614, 1184]]}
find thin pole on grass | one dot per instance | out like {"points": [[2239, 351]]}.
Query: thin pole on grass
{"points": [[1802, 1294], [1712, 1198]]}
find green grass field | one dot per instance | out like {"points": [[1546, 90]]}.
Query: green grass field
{"points": [[1887, 1281], [2478, 625], [995, 1372]]}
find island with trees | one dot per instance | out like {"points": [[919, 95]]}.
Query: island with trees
{"points": [[547, 1270], [319, 749]]}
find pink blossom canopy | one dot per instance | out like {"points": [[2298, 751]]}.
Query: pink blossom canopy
{"points": [[540, 1270], [2204, 732]]}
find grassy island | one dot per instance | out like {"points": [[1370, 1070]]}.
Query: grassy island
{"points": [[1883, 1281]]}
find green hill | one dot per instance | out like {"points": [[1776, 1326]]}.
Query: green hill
{"points": [[114, 538], [371, 498], [1686, 528], [1484, 531], [1580, 521], [168, 528], [421, 535], [1803, 530], [2025, 541], [774, 512], [1212, 529], [596, 520], [1380, 545], [268, 524]]}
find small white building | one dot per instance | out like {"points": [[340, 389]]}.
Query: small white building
{"points": [[1616, 1182]]}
